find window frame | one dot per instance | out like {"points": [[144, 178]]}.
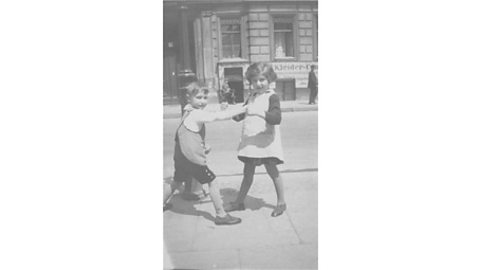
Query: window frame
{"points": [[291, 18], [243, 40]]}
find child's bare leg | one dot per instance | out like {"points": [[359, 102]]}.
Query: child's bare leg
{"points": [[277, 182], [222, 218], [216, 199], [248, 172]]}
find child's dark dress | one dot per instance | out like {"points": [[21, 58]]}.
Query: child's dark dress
{"points": [[190, 157]]}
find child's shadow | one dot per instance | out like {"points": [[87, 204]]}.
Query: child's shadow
{"points": [[184, 207], [252, 203], [181, 206]]}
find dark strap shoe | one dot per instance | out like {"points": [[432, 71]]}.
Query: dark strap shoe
{"points": [[279, 210], [227, 220]]}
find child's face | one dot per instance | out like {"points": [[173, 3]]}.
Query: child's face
{"points": [[199, 101], [260, 82]]}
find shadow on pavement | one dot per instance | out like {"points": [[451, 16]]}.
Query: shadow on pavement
{"points": [[252, 203], [183, 207], [281, 171]]}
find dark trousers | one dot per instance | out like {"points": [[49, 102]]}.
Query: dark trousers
{"points": [[313, 95]]}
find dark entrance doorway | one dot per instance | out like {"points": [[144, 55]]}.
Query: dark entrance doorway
{"points": [[170, 55], [169, 74], [235, 81], [175, 51]]}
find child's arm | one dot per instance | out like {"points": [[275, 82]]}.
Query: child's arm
{"points": [[274, 114], [205, 116], [239, 117]]}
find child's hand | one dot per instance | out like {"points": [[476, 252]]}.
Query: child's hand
{"points": [[223, 106], [208, 148]]}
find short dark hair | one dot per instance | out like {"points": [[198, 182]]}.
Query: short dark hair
{"points": [[261, 68], [195, 87]]}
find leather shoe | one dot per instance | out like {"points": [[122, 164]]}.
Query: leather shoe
{"points": [[227, 220]]}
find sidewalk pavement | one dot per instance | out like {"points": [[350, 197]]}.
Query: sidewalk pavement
{"points": [[173, 111], [289, 241]]}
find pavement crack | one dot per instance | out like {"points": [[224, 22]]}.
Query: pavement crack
{"points": [[263, 173], [300, 241]]}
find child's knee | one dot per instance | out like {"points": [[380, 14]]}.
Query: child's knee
{"points": [[212, 185], [249, 165], [272, 170], [248, 172], [175, 185]]}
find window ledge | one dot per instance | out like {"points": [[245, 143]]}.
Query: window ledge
{"points": [[291, 58], [232, 60]]}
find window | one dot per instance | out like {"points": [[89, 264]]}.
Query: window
{"points": [[283, 37], [231, 38]]}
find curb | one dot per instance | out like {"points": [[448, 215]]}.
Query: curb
{"points": [[301, 109]]}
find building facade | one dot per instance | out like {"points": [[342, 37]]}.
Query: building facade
{"points": [[217, 40]]}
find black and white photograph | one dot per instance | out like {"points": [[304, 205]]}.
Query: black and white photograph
{"points": [[240, 134]]}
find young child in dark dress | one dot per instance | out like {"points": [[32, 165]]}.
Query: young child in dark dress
{"points": [[190, 150], [261, 141]]}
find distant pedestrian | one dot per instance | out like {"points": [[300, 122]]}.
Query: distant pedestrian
{"points": [[226, 94], [190, 150], [260, 141], [312, 84]]}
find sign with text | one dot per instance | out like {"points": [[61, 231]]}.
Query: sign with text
{"points": [[294, 70]]}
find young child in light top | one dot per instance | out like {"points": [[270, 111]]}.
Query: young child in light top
{"points": [[190, 150], [260, 142]]}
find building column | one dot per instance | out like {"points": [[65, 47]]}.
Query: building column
{"points": [[185, 75]]}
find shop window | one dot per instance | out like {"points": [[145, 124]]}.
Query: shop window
{"points": [[283, 37], [285, 88], [231, 41]]}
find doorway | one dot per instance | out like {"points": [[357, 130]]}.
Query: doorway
{"points": [[169, 75], [235, 81]]}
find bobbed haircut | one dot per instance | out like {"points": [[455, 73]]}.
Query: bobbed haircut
{"points": [[260, 68], [196, 87]]}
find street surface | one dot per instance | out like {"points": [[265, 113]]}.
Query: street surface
{"points": [[191, 239]]}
